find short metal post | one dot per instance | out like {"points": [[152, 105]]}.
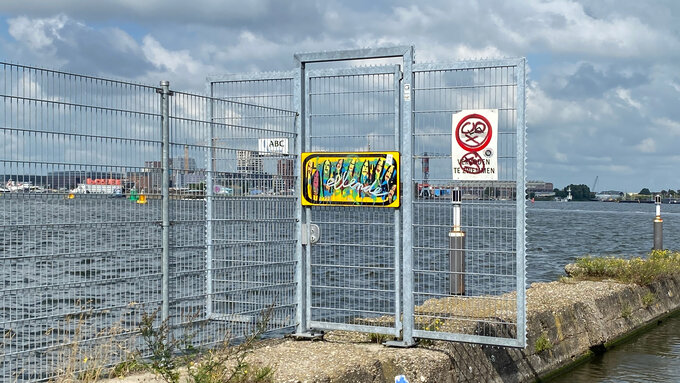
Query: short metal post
{"points": [[457, 248], [165, 199], [658, 225]]}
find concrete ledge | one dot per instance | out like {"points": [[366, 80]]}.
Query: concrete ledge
{"points": [[573, 319]]}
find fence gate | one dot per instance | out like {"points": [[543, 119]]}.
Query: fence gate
{"points": [[353, 270], [399, 269]]}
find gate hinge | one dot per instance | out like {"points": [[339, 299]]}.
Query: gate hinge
{"points": [[310, 233]]}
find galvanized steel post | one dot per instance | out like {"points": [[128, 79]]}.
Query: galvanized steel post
{"points": [[407, 197], [209, 249], [303, 216], [658, 225], [165, 199]]}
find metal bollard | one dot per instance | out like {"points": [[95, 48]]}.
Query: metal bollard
{"points": [[658, 225], [457, 248]]}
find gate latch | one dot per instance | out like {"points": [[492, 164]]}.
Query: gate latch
{"points": [[313, 231]]}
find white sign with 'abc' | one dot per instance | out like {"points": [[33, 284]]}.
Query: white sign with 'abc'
{"points": [[272, 146], [474, 145]]}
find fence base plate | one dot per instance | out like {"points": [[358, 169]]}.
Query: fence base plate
{"points": [[308, 336], [400, 343]]}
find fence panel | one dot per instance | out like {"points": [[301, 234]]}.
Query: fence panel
{"points": [[77, 259], [252, 213], [353, 271], [491, 307]]}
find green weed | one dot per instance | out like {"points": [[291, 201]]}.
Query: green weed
{"points": [[626, 311], [543, 343], [648, 299], [225, 364]]}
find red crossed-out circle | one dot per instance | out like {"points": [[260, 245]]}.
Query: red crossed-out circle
{"points": [[473, 132]]}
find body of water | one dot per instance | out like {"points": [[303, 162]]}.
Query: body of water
{"points": [[51, 248], [559, 232]]}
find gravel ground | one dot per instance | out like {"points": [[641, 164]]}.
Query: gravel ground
{"points": [[347, 356]]}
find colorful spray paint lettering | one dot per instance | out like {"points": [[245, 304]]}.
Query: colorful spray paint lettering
{"points": [[350, 179]]}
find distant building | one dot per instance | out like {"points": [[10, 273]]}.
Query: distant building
{"points": [[540, 188], [249, 162], [609, 195], [69, 179], [285, 178]]}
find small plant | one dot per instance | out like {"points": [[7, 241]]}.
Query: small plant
{"points": [[648, 299], [626, 311], [543, 343], [435, 325], [126, 367], [87, 354], [161, 345], [378, 338], [225, 364]]}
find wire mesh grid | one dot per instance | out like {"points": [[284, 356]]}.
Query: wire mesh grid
{"points": [[488, 306], [77, 259], [353, 275], [80, 237], [253, 205]]}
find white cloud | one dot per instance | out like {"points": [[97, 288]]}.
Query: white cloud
{"points": [[36, 34], [163, 58], [560, 157], [648, 145], [624, 94], [668, 126]]}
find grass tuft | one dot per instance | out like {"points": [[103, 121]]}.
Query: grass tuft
{"points": [[659, 264], [626, 310], [648, 299], [543, 343]]}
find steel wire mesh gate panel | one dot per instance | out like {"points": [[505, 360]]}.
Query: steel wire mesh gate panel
{"points": [[490, 308], [353, 270], [233, 205]]}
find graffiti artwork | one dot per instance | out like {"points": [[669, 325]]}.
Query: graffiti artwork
{"points": [[350, 179]]}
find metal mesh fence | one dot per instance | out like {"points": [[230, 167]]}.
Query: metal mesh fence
{"points": [[77, 259], [232, 230], [81, 230], [492, 268], [80, 234]]}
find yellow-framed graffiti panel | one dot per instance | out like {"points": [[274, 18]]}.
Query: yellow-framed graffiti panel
{"points": [[350, 179]]}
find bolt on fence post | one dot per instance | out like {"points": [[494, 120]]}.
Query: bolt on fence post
{"points": [[658, 225], [457, 248], [165, 197]]}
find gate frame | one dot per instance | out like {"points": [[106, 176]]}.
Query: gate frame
{"points": [[303, 255], [388, 69], [520, 205]]}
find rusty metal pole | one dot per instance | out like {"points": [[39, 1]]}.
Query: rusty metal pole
{"points": [[457, 248], [658, 225]]}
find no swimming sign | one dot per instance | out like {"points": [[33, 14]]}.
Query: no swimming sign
{"points": [[474, 145]]}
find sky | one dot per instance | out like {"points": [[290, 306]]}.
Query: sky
{"points": [[603, 81]]}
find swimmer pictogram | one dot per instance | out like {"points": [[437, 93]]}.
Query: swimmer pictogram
{"points": [[473, 132]]}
